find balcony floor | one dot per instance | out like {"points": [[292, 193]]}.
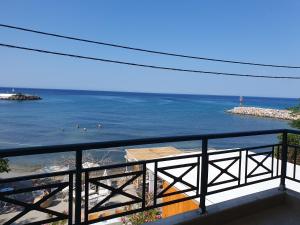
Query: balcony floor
{"points": [[278, 215], [272, 207]]}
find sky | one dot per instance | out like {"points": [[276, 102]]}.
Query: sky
{"points": [[256, 31]]}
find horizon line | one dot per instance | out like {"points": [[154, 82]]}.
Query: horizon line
{"points": [[139, 92]]}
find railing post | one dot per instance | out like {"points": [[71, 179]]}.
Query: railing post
{"points": [[70, 220], [78, 186], [284, 152], [204, 175]]}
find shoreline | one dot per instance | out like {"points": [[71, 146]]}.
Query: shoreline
{"points": [[282, 114]]}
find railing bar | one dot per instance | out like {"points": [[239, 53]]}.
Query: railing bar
{"points": [[293, 179], [173, 202], [86, 196], [117, 205], [241, 149], [155, 184], [295, 162], [294, 146], [30, 189], [204, 175], [221, 152], [278, 155], [123, 143], [183, 156], [272, 163], [223, 182], [114, 166], [35, 176], [292, 131], [78, 187], [246, 167], [240, 168], [70, 213], [198, 175], [144, 186], [260, 174], [260, 153], [283, 160], [223, 159], [262, 180], [176, 166], [115, 175], [178, 192], [242, 185]]}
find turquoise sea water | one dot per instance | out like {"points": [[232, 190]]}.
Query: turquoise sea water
{"points": [[53, 120]]}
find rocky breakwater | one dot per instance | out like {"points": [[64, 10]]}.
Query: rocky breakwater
{"points": [[19, 97], [265, 112]]}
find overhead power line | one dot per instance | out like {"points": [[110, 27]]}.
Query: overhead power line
{"points": [[145, 65], [147, 50]]}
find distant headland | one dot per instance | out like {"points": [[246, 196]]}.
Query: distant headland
{"points": [[18, 96]]}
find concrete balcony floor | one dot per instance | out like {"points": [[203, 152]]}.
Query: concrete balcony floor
{"points": [[272, 207], [277, 215]]}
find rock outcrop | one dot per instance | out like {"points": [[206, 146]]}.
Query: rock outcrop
{"points": [[19, 97], [265, 112]]}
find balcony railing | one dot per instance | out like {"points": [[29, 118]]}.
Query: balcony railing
{"points": [[76, 183]]}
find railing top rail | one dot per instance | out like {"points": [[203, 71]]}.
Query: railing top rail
{"points": [[293, 131], [122, 143], [242, 149]]}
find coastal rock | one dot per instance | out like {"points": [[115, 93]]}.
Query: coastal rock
{"points": [[265, 112], [19, 97]]}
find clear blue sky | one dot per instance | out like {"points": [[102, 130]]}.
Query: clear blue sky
{"points": [[259, 31]]}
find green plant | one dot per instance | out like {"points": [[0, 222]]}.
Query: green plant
{"points": [[144, 216], [295, 109], [295, 124], [4, 166], [61, 222], [292, 139]]}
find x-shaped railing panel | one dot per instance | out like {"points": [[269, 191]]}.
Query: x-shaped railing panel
{"points": [[177, 179], [37, 205], [115, 191], [223, 170], [259, 164]]}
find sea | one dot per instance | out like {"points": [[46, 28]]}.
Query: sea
{"points": [[76, 116]]}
